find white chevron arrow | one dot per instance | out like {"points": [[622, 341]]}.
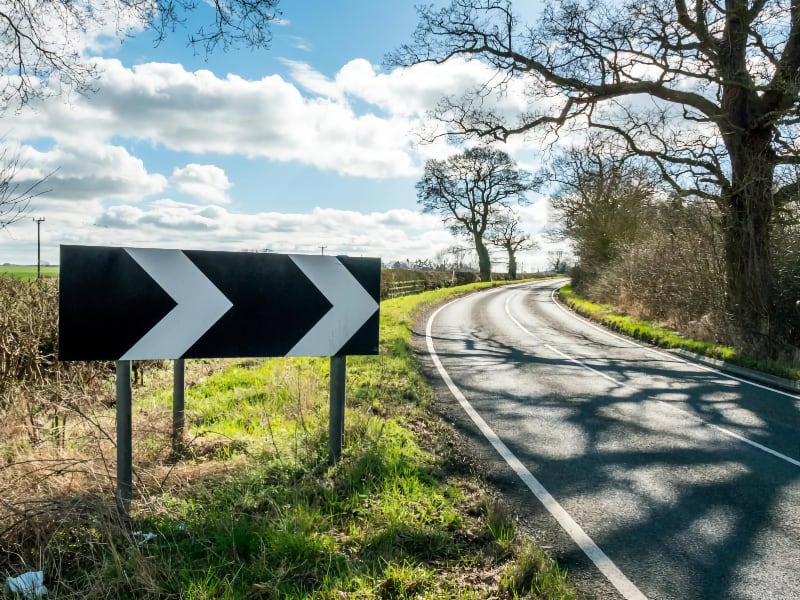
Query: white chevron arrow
{"points": [[352, 305], [200, 304]]}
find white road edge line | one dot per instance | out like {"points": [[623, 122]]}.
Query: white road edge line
{"points": [[617, 578], [668, 355], [722, 430]]}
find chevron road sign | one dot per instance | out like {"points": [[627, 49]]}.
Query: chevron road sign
{"points": [[150, 303]]}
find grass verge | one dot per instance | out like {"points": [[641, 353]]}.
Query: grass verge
{"points": [[249, 508], [652, 333]]}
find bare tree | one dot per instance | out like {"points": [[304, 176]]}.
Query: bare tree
{"points": [[458, 253], [15, 199], [42, 45], [506, 233], [41, 42], [467, 189], [556, 260], [599, 203], [707, 90]]}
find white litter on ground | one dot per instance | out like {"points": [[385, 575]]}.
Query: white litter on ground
{"points": [[144, 537], [30, 585]]}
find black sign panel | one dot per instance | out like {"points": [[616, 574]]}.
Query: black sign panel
{"points": [[152, 303]]}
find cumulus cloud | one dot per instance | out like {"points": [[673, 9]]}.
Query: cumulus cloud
{"points": [[122, 216], [204, 183], [199, 112], [392, 235], [360, 123], [87, 172]]}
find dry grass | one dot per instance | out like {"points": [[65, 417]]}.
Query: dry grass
{"points": [[57, 482]]}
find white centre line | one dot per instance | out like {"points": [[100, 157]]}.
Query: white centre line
{"points": [[722, 430], [607, 567], [664, 354]]}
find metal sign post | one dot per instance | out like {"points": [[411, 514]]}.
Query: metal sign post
{"points": [[336, 427], [124, 436], [178, 410]]}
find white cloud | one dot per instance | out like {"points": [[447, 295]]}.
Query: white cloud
{"points": [[360, 123], [90, 171], [410, 91], [299, 43], [199, 112], [173, 224], [204, 183], [397, 234], [313, 81], [357, 123]]}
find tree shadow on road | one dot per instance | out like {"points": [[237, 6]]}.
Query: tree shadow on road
{"points": [[639, 459]]}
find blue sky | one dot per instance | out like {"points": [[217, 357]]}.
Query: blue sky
{"points": [[308, 143]]}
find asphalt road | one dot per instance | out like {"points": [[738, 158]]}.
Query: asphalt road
{"points": [[663, 478]]}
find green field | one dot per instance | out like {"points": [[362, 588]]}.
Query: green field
{"points": [[26, 271]]}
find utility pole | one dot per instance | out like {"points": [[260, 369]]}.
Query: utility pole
{"points": [[38, 222], [323, 249]]}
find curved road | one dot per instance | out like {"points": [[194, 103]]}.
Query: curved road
{"points": [[668, 479]]}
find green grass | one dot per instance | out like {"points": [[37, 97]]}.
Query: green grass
{"points": [[252, 509], [26, 271], [651, 333]]}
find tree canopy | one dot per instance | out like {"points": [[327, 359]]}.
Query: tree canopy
{"points": [[469, 189], [43, 42], [707, 91], [506, 232], [600, 201]]}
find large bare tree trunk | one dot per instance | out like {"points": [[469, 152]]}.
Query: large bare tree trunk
{"points": [[512, 263], [747, 211], [484, 262]]}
